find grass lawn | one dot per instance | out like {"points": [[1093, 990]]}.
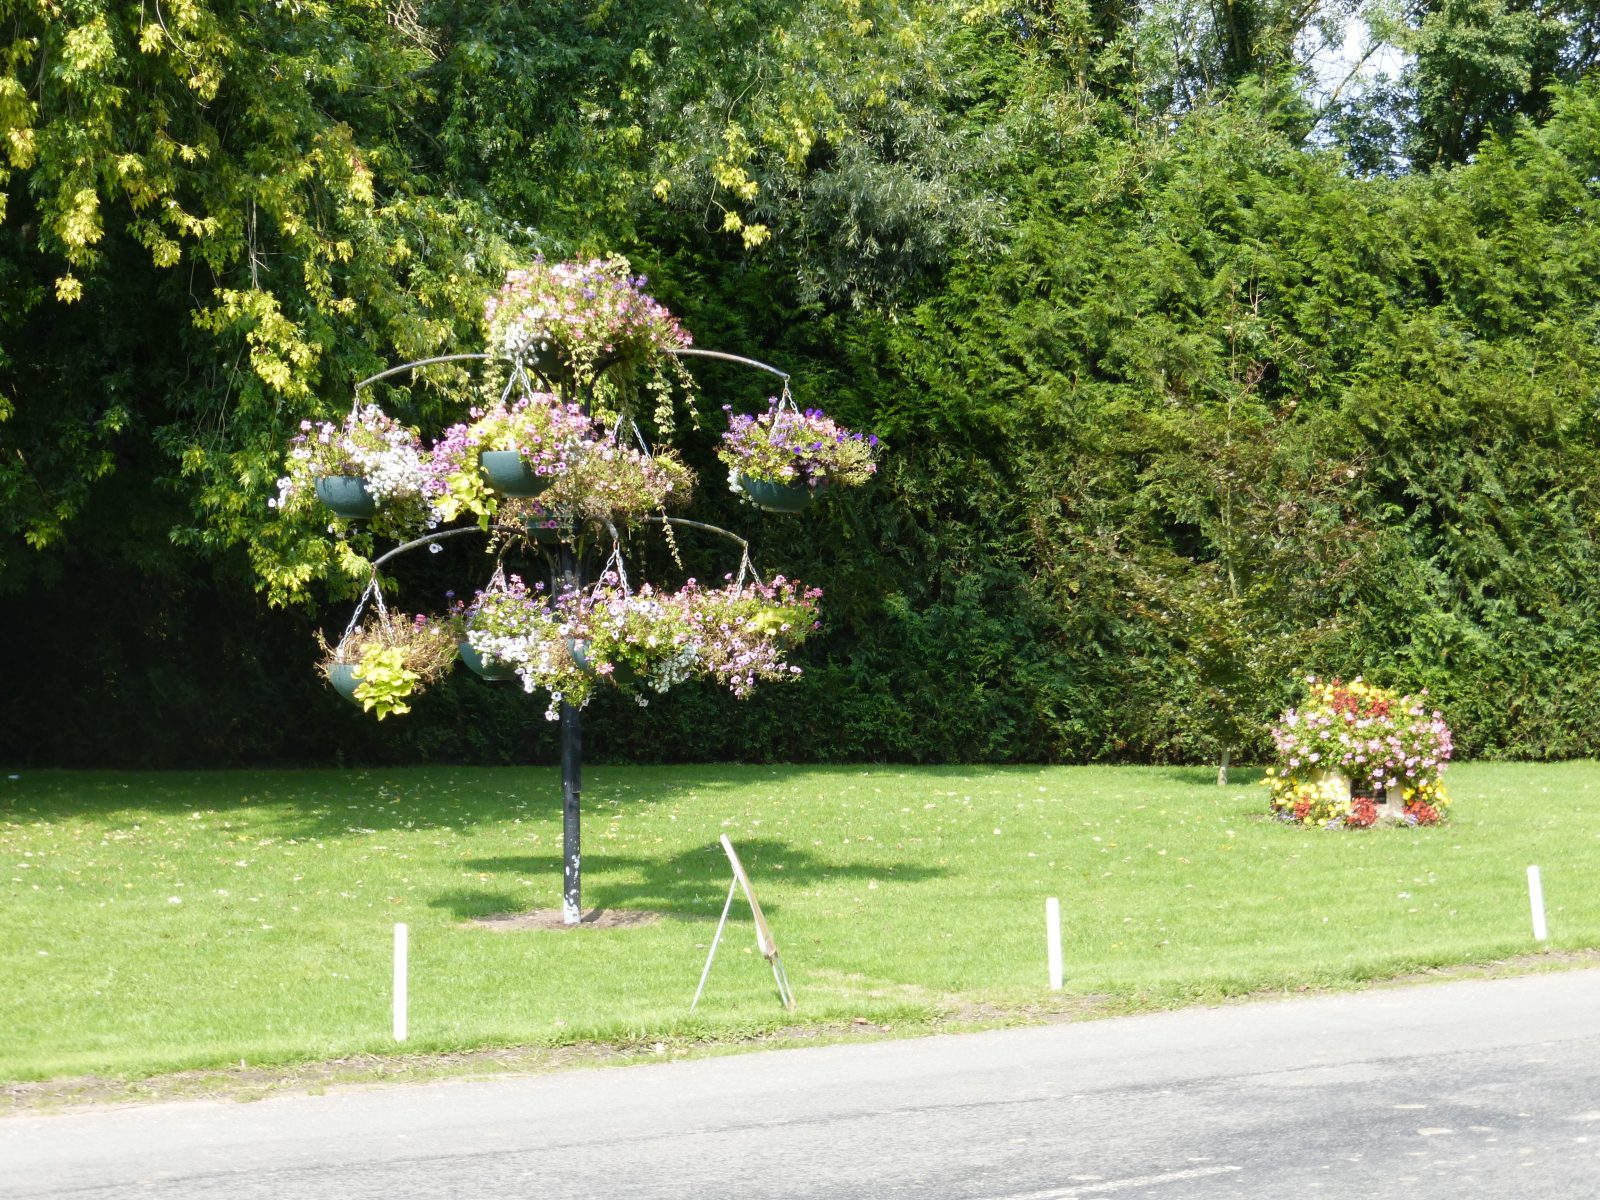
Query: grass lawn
{"points": [[154, 922]]}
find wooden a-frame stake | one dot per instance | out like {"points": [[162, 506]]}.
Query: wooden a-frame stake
{"points": [[764, 939]]}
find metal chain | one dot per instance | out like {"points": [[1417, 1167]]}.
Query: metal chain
{"points": [[372, 590], [638, 436], [615, 560], [511, 382]]}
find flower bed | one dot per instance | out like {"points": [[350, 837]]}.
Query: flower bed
{"points": [[1352, 733]]}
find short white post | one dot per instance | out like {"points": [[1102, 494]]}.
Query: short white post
{"points": [[400, 965], [1052, 937], [1536, 903]]}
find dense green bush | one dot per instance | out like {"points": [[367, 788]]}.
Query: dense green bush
{"points": [[1177, 407]]}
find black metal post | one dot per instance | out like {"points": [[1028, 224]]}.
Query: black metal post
{"points": [[571, 776], [571, 790]]}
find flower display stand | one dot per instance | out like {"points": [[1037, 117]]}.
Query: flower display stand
{"points": [[1390, 802]]}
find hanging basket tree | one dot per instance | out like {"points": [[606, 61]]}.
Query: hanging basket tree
{"points": [[551, 451]]}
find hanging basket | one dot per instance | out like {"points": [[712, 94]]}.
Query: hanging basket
{"points": [[345, 680], [774, 497], [491, 669], [622, 676], [507, 472], [346, 496], [579, 650]]}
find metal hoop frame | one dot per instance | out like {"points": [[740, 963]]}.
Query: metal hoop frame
{"points": [[746, 566]]}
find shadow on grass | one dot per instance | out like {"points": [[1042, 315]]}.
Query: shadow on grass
{"points": [[690, 884], [1207, 776], [316, 804], [467, 904], [322, 804]]}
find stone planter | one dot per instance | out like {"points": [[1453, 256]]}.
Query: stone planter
{"points": [[1391, 803]]}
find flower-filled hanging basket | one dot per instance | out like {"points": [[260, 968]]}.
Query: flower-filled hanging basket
{"points": [[347, 496], [511, 474], [370, 467], [484, 666], [509, 631], [388, 658], [640, 641], [345, 678], [771, 496], [782, 459], [516, 448]]}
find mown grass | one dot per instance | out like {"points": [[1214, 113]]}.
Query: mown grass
{"points": [[155, 922]]}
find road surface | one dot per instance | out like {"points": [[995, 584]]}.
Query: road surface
{"points": [[1443, 1092]]}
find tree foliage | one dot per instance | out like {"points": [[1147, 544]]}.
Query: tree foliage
{"points": [[211, 229], [1184, 397]]}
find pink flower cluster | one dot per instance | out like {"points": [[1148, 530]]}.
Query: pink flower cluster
{"points": [[598, 307], [786, 446], [1366, 732], [744, 632], [736, 635], [546, 432]]}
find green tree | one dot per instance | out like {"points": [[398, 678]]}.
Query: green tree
{"points": [[209, 229]]}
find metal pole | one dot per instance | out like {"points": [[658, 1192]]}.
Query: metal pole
{"points": [[571, 778], [733, 886], [686, 352], [571, 790]]}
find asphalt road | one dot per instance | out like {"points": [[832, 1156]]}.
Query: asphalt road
{"points": [[1460, 1090]]}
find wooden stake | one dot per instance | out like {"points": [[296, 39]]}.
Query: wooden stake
{"points": [[1052, 940], [1536, 903], [400, 969]]}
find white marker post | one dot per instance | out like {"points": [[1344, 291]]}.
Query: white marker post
{"points": [[1052, 937], [1536, 903], [400, 967]]}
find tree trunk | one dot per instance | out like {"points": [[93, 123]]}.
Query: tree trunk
{"points": [[1222, 771]]}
